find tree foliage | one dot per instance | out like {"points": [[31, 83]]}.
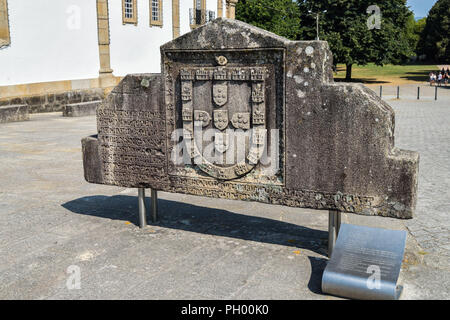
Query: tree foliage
{"points": [[343, 25], [434, 40], [414, 30], [278, 16]]}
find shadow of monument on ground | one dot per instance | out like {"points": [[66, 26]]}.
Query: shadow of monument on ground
{"points": [[211, 221], [317, 268]]}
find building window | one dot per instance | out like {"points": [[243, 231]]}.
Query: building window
{"points": [[129, 11], [210, 15], [4, 25], [198, 14], [156, 13]]}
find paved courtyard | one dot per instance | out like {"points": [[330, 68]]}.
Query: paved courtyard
{"points": [[51, 220], [424, 127]]}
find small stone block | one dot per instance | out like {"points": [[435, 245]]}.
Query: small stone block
{"points": [[81, 109], [14, 113]]}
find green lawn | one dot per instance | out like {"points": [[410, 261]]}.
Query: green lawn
{"points": [[395, 74]]}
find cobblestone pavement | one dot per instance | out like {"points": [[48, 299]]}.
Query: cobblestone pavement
{"points": [[425, 127], [50, 219]]}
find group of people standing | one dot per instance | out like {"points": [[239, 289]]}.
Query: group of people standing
{"points": [[440, 77]]}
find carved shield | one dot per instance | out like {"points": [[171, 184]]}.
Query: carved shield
{"points": [[221, 119], [212, 82], [220, 93], [221, 141], [203, 117], [241, 120]]}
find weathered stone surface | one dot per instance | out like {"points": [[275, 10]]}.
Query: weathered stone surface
{"points": [[14, 113], [81, 109], [335, 141]]}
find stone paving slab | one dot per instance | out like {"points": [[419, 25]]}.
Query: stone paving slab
{"points": [[202, 248]]}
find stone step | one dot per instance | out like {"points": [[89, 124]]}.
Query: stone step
{"points": [[14, 113], [81, 109]]}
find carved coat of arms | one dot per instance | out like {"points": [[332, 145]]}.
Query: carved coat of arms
{"points": [[249, 115]]}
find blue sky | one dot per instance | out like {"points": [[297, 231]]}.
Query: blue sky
{"points": [[421, 7]]}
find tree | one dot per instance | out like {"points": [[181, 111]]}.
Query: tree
{"points": [[352, 35], [418, 30], [278, 16], [434, 40], [413, 31], [344, 25]]}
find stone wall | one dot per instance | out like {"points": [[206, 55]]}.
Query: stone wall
{"points": [[53, 102], [14, 113], [81, 109]]}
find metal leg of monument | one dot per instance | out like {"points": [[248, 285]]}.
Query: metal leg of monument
{"points": [[334, 223], [338, 222], [154, 205], [142, 211]]}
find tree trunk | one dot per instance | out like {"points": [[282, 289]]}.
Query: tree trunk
{"points": [[348, 75]]}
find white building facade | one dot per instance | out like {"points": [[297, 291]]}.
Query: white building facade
{"points": [[69, 44]]}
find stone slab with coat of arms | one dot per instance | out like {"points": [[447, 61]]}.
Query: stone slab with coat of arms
{"points": [[241, 113]]}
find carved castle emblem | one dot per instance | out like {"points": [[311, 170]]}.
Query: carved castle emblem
{"points": [[248, 115], [258, 116], [220, 93], [186, 91], [187, 114], [258, 93]]}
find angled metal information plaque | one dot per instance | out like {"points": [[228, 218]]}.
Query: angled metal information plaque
{"points": [[365, 263]]}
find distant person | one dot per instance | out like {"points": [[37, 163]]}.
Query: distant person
{"points": [[439, 79], [432, 78], [446, 76]]}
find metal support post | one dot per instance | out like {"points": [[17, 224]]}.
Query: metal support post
{"points": [[154, 205], [334, 224], [142, 211]]}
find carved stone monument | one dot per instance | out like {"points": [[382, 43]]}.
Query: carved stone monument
{"points": [[241, 113]]}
